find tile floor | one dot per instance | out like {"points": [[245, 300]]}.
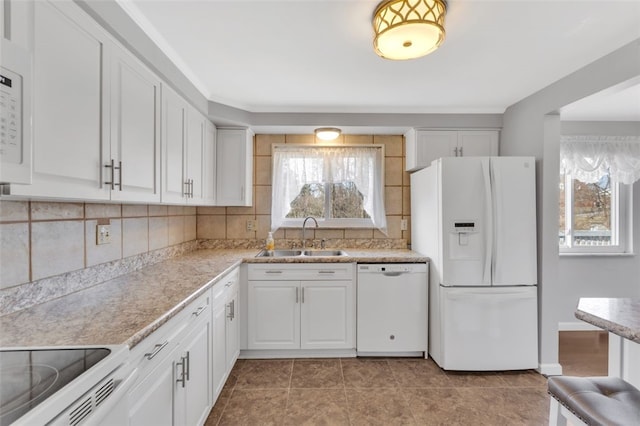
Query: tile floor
{"points": [[393, 391]]}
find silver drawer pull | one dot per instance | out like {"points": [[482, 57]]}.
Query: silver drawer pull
{"points": [[326, 272], [273, 272], [200, 310], [156, 349]]}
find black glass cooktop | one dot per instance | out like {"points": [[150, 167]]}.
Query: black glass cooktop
{"points": [[28, 377]]}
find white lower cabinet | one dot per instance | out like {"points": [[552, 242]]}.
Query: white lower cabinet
{"points": [[226, 329], [310, 306], [174, 387]]}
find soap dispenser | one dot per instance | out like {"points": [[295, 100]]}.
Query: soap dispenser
{"points": [[270, 244]]}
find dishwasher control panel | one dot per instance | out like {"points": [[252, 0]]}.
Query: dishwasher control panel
{"points": [[392, 267]]}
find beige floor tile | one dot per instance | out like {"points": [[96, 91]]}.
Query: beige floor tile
{"points": [[367, 373], [216, 412], [316, 373], [438, 406], [525, 378], [475, 379], [378, 406], [316, 407], [263, 374], [418, 373], [254, 407]]}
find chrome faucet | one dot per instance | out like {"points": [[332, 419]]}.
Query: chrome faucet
{"points": [[304, 226]]}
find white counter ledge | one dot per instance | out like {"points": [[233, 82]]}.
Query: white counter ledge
{"points": [[621, 318]]}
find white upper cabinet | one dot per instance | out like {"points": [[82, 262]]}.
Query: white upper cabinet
{"points": [[70, 105], [174, 118], [424, 146], [188, 143], [234, 167], [96, 113], [135, 130]]}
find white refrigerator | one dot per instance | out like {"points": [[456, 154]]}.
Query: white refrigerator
{"points": [[475, 218]]}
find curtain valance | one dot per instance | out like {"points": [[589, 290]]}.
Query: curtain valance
{"points": [[587, 158]]}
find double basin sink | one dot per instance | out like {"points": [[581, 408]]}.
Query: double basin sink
{"points": [[300, 253]]}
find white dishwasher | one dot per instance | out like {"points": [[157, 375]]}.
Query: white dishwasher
{"points": [[392, 309]]}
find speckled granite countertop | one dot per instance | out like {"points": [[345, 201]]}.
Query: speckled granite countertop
{"points": [[619, 316], [129, 308]]}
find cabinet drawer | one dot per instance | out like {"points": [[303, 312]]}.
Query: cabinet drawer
{"points": [[302, 271], [228, 284], [157, 346]]}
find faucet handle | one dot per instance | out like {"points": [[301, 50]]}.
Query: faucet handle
{"points": [[323, 243]]}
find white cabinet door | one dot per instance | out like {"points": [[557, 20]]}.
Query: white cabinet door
{"points": [[209, 165], [174, 118], [219, 352], [234, 167], [233, 327], [151, 401], [477, 143], [273, 315], [424, 146], [70, 104], [195, 156], [135, 130], [194, 394], [326, 315]]}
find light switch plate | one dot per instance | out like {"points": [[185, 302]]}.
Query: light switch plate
{"points": [[103, 234], [251, 225], [403, 224]]}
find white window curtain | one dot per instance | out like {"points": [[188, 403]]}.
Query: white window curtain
{"points": [[295, 166], [587, 158]]}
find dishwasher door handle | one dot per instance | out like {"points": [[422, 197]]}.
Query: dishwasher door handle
{"points": [[392, 274]]}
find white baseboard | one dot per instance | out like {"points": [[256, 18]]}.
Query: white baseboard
{"points": [[296, 353], [554, 369], [577, 326]]}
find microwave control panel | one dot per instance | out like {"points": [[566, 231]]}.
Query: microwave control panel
{"points": [[10, 116]]}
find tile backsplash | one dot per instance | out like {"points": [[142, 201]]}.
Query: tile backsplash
{"points": [[230, 223], [48, 249], [44, 239]]}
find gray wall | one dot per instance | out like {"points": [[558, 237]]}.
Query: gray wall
{"points": [[532, 127]]}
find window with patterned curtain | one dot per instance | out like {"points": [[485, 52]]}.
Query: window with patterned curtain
{"points": [[596, 175]]}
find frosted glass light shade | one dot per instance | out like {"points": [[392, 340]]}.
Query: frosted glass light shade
{"points": [[327, 133], [408, 29]]}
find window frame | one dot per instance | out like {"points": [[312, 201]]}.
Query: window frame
{"points": [[330, 222], [621, 205]]}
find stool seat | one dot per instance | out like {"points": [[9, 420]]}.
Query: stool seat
{"points": [[598, 400]]}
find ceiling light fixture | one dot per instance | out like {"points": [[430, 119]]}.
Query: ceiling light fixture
{"points": [[327, 133], [408, 29]]}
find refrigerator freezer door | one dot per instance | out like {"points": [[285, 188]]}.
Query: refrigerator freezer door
{"points": [[491, 328], [514, 199], [465, 220]]}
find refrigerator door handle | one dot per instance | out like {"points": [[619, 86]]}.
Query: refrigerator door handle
{"points": [[488, 251], [498, 207]]}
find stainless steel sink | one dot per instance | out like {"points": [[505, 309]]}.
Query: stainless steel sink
{"points": [[295, 253], [279, 253], [324, 253]]}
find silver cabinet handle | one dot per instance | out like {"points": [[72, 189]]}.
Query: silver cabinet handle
{"points": [[230, 314], [297, 294], [156, 349], [188, 367], [191, 190], [302, 294], [233, 309], [455, 151], [199, 311], [120, 168], [242, 193], [185, 189], [326, 272], [113, 168], [183, 372], [461, 151], [273, 272]]}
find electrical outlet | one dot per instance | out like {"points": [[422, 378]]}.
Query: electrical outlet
{"points": [[251, 225], [403, 224], [103, 234]]}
